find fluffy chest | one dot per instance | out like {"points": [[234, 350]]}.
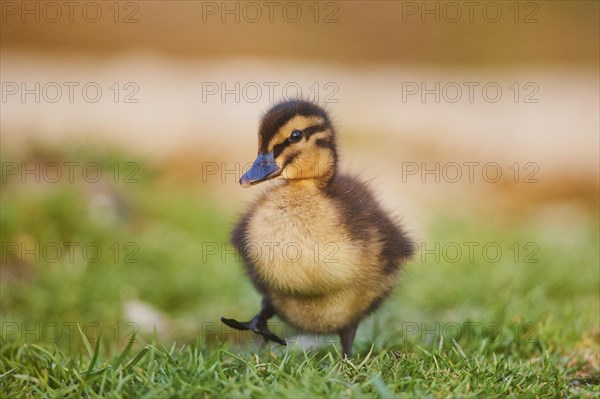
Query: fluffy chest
{"points": [[298, 245]]}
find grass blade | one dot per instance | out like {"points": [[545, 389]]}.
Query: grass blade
{"points": [[95, 356], [137, 358], [124, 354], [7, 373], [86, 343]]}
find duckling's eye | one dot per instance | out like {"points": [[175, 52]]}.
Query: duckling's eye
{"points": [[295, 137]]}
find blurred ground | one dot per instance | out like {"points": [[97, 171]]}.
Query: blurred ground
{"points": [[425, 83], [389, 132]]}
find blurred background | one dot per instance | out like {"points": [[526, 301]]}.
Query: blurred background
{"points": [[126, 125]]}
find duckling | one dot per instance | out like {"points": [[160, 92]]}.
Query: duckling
{"points": [[318, 247]]}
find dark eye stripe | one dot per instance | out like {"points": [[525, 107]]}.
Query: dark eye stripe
{"points": [[324, 143], [309, 131], [278, 148]]}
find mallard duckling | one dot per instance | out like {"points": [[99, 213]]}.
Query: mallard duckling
{"points": [[318, 247]]}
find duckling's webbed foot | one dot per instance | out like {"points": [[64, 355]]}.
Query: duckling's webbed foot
{"points": [[254, 326], [258, 324]]}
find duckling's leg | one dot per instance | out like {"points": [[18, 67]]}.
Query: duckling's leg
{"points": [[258, 324], [347, 337]]}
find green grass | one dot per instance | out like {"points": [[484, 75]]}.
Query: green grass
{"points": [[465, 328], [197, 371]]}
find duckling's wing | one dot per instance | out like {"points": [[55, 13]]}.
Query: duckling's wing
{"points": [[361, 213]]}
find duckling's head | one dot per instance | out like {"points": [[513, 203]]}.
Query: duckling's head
{"points": [[296, 142]]}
